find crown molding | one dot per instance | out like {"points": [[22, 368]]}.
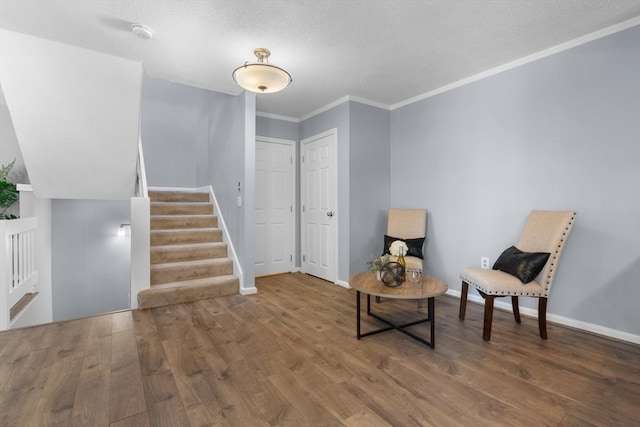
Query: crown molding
{"points": [[369, 102], [342, 101], [325, 108], [277, 117]]}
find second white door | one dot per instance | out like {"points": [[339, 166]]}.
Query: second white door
{"points": [[318, 194], [274, 213]]}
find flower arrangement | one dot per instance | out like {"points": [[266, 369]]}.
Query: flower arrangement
{"points": [[376, 263], [395, 248]]}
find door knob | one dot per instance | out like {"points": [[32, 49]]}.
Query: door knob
{"points": [[330, 214]]}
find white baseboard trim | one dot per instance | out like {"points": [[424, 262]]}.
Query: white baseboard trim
{"points": [[554, 318], [343, 284], [248, 291]]}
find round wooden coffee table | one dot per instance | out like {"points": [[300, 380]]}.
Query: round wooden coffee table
{"points": [[427, 288]]}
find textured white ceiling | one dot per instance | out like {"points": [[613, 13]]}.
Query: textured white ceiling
{"points": [[385, 51]]}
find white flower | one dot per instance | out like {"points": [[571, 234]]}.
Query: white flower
{"points": [[395, 248]]}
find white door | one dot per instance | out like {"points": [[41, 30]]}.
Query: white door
{"points": [[318, 216], [274, 214]]}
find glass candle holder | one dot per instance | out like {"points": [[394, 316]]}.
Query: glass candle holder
{"points": [[414, 274]]}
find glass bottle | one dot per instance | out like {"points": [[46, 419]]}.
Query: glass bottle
{"points": [[403, 263]]}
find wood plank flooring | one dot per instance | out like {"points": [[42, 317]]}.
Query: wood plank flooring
{"points": [[288, 356]]}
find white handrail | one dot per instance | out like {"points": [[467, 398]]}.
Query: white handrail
{"points": [[18, 272], [143, 190]]}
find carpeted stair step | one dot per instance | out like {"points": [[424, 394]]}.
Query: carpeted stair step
{"points": [[178, 196], [188, 270], [192, 252], [188, 291], [174, 208], [169, 222], [180, 236]]}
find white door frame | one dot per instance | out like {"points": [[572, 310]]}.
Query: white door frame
{"points": [[336, 217], [294, 194]]}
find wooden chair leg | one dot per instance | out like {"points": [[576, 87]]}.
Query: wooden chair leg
{"points": [[463, 300], [378, 299], [419, 303], [488, 317], [516, 308], [542, 317]]}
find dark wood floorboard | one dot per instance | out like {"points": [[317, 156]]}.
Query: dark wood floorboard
{"points": [[288, 356]]}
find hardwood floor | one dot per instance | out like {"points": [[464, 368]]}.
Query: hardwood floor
{"points": [[288, 356]]}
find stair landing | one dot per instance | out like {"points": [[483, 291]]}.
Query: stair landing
{"points": [[188, 257]]}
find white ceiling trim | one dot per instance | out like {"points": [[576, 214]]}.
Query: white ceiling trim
{"points": [[325, 108], [368, 102], [525, 60], [277, 117]]}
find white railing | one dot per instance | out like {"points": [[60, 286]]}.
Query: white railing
{"points": [[141, 182], [18, 272]]}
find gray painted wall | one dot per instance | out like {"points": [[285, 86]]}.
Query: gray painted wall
{"points": [[221, 137], [338, 118], [217, 124], [561, 133], [168, 128], [369, 182], [90, 264], [275, 128]]}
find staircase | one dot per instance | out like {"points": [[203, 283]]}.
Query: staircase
{"points": [[188, 257]]}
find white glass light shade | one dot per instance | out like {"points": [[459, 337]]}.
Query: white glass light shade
{"points": [[261, 77], [124, 230]]}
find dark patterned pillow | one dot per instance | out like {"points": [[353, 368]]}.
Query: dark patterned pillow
{"points": [[524, 265], [414, 245]]}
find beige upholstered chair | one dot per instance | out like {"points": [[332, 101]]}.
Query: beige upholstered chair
{"points": [[408, 224], [544, 231]]}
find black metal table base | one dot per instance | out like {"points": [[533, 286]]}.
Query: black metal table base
{"points": [[402, 328]]}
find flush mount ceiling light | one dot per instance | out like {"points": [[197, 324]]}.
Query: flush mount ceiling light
{"points": [[142, 31], [261, 77]]}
